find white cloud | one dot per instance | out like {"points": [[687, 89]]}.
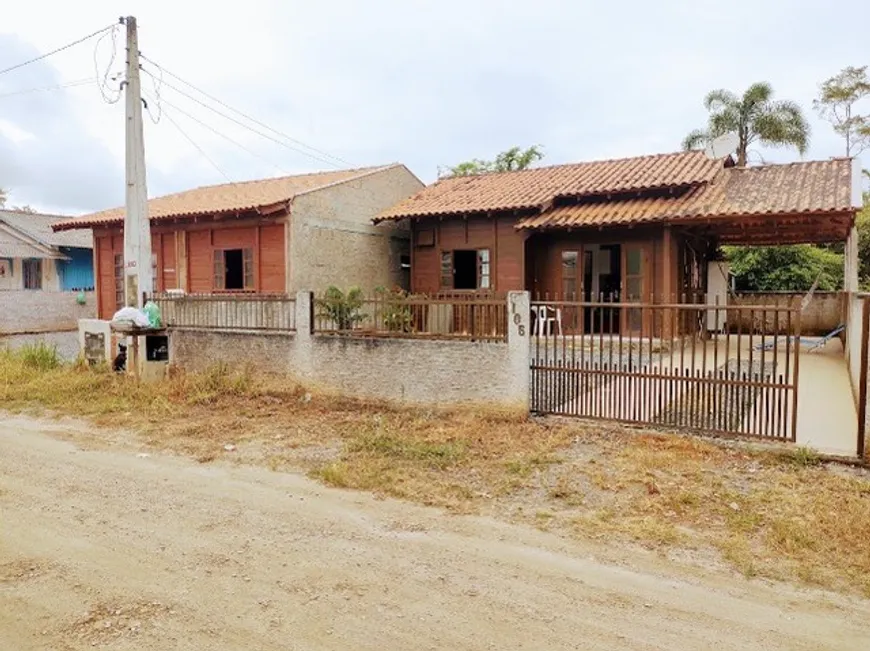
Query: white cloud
{"points": [[424, 82]]}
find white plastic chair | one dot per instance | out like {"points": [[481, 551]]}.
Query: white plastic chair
{"points": [[544, 323]]}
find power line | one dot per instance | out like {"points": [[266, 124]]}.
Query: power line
{"points": [[222, 135], [69, 84], [60, 49], [243, 125], [249, 118], [197, 147]]}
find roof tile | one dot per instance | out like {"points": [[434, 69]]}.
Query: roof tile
{"points": [[225, 198], [794, 188], [538, 186]]}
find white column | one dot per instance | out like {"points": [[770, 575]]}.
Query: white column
{"points": [[518, 333]]}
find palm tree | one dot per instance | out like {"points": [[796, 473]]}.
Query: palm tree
{"points": [[755, 116]]}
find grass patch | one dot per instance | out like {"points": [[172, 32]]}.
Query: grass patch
{"points": [[771, 514]]}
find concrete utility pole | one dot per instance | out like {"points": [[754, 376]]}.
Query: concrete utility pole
{"points": [[138, 274]]}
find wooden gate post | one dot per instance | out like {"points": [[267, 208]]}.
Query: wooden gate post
{"points": [[862, 382], [797, 360]]}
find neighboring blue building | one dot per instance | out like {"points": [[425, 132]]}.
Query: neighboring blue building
{"points": [[34, 257]]}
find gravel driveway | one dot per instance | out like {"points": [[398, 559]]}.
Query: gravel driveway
{"points": [[114, 548]]}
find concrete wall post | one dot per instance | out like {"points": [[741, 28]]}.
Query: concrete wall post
{"points": [[518, 332]]}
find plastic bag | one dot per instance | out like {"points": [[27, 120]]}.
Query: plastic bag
{"points": [[152, 311], [131, 315]]}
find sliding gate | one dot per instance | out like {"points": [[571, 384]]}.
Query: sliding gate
{"points": [[720, 369]]}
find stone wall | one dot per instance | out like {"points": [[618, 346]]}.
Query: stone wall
{"points": [[333, 240], [826, 310], [421, 371], [23, 311]]}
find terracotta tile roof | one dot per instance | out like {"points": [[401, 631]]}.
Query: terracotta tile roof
{"points": [[538, 186], [794, 188], [226, 198]]}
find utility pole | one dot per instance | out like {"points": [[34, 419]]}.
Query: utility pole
{"points": [[138, 275]]}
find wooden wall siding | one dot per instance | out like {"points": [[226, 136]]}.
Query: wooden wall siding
{"points": [[199, 262], [273, 265], [185, 257], [168, 262], [106, 246], [505, 243], [234, 238]]}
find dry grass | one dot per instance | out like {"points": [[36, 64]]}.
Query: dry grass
{"points": [[782, 515]]}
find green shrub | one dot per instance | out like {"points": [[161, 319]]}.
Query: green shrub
{"points": [[396, 314], [342, 309]]}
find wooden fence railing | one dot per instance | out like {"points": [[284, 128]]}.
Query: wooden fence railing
{"points": [[465, 317], [229, 312]]}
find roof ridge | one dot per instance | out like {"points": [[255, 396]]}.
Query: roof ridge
{"points": [[35, 214], [279, 178], [581, 163], [794, 163]]}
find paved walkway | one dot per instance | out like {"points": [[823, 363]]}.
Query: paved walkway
{"points": [[827, 418]]}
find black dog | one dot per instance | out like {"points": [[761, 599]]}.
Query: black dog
{"points": [[119, 364]]}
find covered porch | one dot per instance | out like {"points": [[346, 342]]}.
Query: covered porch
{"points": [[655, 290]]}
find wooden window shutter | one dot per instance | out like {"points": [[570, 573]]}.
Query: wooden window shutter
{"points": [[220, 272], [248, 268], [447, 269]]}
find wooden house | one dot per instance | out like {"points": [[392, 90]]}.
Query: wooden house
{"points": [[629, 230], [272, 236]]}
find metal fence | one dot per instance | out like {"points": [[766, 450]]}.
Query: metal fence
{"points": [[441, 316], [722, 369], [229, 312]]}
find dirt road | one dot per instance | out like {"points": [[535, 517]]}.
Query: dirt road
{"points": [[112, 549]]}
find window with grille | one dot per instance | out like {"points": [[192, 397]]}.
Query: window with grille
{"points": [[234, 269], [32, 270], [119, 281]]}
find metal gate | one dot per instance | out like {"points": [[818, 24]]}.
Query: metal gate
{"points": [[715, 368]]}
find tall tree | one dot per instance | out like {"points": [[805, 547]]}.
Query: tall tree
{"points": [[754, 117], [515, 158], [2, 198], [836, 104]]}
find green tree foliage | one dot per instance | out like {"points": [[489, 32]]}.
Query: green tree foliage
{"points": [[862, 221], [754, 117], [510, 160], [837, 101], [785, 268]]}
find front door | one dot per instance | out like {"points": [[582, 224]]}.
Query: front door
{"points": [[635, 286]]}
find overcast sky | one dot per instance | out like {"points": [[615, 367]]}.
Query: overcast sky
{"points": [[426, 83]]}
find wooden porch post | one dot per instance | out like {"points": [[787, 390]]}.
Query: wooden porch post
{"points": [[668, 280], [850, 267]]}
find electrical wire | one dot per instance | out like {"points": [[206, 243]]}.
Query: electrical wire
{"points": [[195, 146], [69, 84], [157, 86], [60, 49], [335, 161], [104, 77], [246, 126], [222, 135]]}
